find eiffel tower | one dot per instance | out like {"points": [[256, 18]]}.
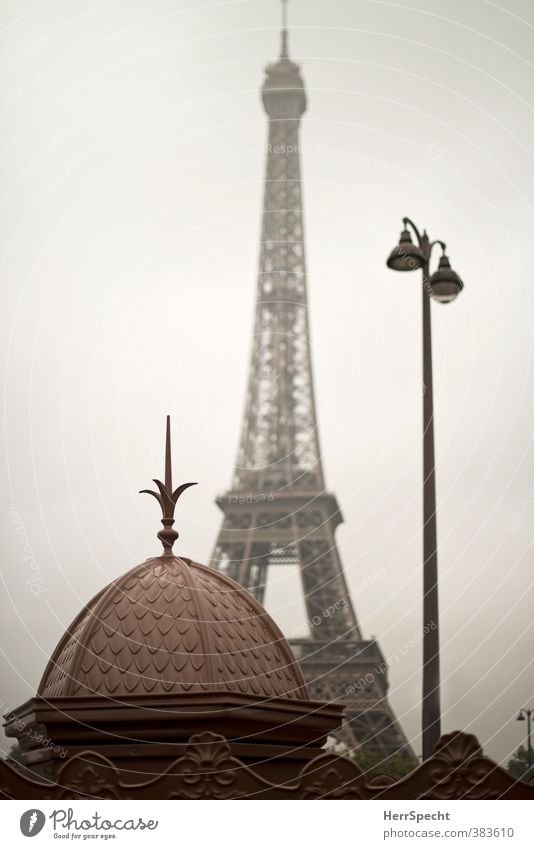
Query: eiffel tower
{"points": [[278, 511]]}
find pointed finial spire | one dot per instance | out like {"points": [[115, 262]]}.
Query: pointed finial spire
{"points": [[167, 498], [283, 48], [168, 458]]}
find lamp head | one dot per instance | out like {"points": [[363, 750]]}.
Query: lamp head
{"points": [[445, 283], [521, 716], [406, 256]]}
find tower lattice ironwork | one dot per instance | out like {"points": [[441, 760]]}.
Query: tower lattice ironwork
{"points": [[278, 510]]}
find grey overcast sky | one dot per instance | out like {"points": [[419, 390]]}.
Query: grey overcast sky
{"points": [[133, 156]]}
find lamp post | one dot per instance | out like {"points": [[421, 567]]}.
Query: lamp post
{"points": [[527, 712], [443, 285]]}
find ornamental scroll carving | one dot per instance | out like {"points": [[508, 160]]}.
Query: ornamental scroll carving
{"points": [[457, 770]]}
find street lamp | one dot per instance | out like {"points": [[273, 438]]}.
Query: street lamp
{"points": [[443, 285], [527, 713]]}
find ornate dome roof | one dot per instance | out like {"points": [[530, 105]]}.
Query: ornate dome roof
{"points": [[171, 626]]}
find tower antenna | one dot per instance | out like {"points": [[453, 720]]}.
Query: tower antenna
{"points": [[283, 49]]}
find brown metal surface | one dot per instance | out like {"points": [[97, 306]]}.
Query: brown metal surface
{"points": [[207, 769], [167, 498], [173, 626], [146, 735], [169, 650]]}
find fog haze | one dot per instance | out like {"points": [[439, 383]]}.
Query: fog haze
{"points": [[133, 159]]}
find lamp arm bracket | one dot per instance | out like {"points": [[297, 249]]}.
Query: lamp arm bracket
{"points": [[409, 221], [442, 245]]}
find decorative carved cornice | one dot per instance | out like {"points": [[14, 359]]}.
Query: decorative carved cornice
{"points": [[457, 770]]}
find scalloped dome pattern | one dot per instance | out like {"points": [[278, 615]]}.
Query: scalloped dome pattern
{"points": [[171, 626]]}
